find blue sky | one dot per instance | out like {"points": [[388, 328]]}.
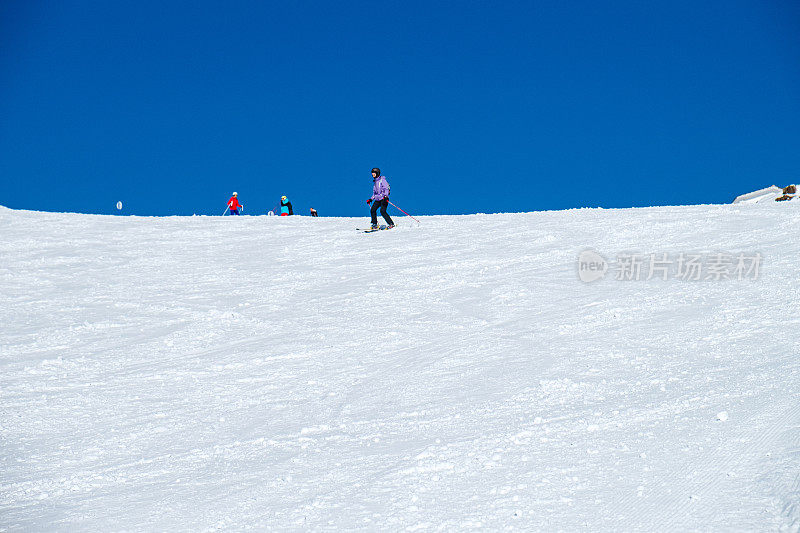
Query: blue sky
{"points": [[466, 106]]}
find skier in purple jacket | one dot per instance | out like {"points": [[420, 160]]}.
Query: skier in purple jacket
{"points": [[380, 198]]}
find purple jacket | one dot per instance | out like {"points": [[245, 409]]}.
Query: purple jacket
{"points": [[380, 188]]}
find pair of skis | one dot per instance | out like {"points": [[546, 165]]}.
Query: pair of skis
{"points": [[372, 230]]}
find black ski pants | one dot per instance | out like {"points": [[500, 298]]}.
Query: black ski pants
{"points": [[383, 204]]}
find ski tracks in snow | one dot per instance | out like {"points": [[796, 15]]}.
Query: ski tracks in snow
{"points": [[204, 373]]}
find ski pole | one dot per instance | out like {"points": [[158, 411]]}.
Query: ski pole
{"points": [[226, 210], [418, 222]]}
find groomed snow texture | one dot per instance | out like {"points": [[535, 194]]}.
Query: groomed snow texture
{"points": [[202, 373]]}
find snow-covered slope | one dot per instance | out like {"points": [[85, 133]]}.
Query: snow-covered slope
{"points": [[198, 373]]}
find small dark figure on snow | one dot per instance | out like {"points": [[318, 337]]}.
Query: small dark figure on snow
{"points": [[313, 212], [380, 198]]}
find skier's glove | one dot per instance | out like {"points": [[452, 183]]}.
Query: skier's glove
{"points": [[369, 201]]}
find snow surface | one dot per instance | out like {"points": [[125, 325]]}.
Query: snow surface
{"points": [[202, 373], [768, 194]]}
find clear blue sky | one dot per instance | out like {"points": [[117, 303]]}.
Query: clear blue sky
{"points": [[466, 106]]}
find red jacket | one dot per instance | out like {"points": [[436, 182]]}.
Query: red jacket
{"points": [[233, 203]]}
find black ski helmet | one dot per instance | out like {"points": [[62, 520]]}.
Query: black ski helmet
{"points": [[377, 171]]}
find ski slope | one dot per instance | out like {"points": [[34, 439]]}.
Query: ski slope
{"points": [[204, 373]]}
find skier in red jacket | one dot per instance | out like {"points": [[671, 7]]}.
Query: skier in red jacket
{"points": [[234, 205]]}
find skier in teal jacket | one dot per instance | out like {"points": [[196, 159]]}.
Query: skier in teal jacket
{"points": [[286, 207]]}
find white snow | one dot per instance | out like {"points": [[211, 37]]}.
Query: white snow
{"points": [[203, 373], [768, 194]]}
